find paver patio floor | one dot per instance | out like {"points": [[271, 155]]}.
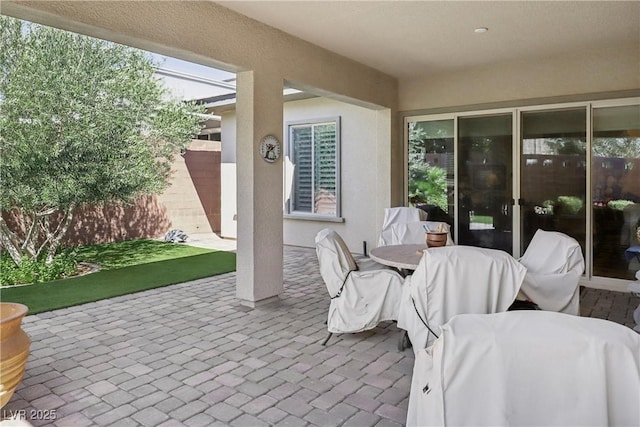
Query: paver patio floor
{"points": [[190, 355]]}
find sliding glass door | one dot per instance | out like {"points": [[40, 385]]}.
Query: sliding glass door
{"points": [[485, 175], [553, 177], [498, 176], [615, 189]]}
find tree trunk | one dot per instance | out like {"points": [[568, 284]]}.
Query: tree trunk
{"points": [[10, 241], [58, 234]]}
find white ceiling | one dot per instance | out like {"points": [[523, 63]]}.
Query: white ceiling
{"points": [[408, 39]]}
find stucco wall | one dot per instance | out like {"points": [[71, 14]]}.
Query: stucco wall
{"points": [[359, 173], [614, 69], [228, 190], [192, 201]]}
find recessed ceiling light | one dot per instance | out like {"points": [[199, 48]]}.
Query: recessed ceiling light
{"points": [[481, 30]]}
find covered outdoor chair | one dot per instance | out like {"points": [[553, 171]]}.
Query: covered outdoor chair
{"points": [[530, 368], [453, 280], [554, 263], [398, 215], [363, 293]]}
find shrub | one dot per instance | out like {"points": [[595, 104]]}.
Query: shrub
{"points": [[36, 270], [570, 205], [619, 204]]}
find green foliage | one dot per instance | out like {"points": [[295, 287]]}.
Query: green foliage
{"points": [[569, 204], [36, 270], [427, 183], [547, 206], [619, 204], [620, 147], [82, 121], [567, 146]]}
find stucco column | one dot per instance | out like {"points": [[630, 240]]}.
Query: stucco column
{"points": [[260, 189]]}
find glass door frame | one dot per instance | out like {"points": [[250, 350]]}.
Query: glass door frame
{"points": [[588, 202], [405, 156], [454, 117], [588, 277], [600, 281]]}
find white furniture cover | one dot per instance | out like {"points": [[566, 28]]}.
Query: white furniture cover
{"points": [[453, 280], [554, 264], [399, 215], [532, 368], [412, 233], [363, 293], [634, 288]]}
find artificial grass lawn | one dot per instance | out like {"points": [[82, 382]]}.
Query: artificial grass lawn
{"points": [[121, 281], [483, 219], [110, 256]]}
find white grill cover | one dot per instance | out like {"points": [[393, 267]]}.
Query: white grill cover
{"points": [[456, 279], [371, 294], [531, 368], [400, 215], [554, 264]]}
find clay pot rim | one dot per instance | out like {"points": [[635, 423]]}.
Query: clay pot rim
{"points": [[20, 310]]}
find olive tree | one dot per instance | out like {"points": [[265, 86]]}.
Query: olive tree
{"points": [[82, 122]]}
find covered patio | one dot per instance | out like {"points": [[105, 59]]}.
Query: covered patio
{"points": [[190, 354], [244, 349]]}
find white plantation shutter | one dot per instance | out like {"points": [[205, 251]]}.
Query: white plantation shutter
{"points": [[315, 154], [303, 175]]}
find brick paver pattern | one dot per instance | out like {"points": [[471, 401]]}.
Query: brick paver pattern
{"points": [[191, 355]]}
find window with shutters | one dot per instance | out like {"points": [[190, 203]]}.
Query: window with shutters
{"points": [[314, 150]]}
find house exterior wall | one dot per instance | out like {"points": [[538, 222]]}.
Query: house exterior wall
{"points": [[614, 69], [359, 172]]}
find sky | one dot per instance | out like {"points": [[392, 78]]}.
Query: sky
{"points": [[192, 68]]}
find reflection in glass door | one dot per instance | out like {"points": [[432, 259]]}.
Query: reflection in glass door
{"points": [[485, 176], [431, 168], [615, 183], [553, 173]]}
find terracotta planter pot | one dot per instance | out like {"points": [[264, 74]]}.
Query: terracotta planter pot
{"points": [[14, 348], [436, 239]]}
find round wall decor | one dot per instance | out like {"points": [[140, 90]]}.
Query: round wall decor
{"points": [[270, 148]]}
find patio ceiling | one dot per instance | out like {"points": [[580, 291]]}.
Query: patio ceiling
{"points": [[408, 39]]}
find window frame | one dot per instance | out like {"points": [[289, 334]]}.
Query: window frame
{"points": [[290, 213]]}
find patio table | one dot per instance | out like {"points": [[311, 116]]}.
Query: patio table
{"points": [[402, 257]]}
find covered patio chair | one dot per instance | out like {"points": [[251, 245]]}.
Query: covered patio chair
{"points": [[363, 293], [554, 265], [453, 280], [530, 368], [398, 215]]}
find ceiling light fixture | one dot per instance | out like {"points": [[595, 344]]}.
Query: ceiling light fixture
{"points": [[481, 30]]}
